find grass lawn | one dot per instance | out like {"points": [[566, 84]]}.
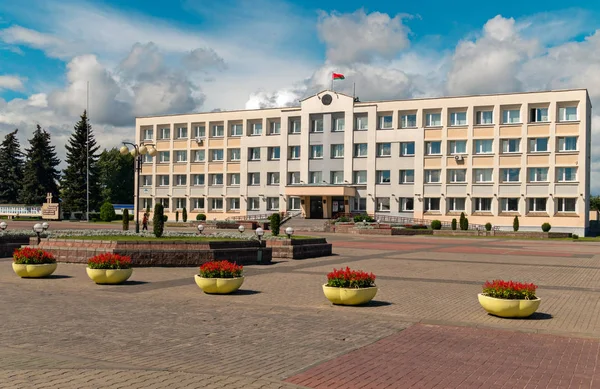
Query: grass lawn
{"points": [[149, 238]]}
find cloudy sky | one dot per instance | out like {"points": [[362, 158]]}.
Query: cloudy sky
{"points": [[147, 57]]}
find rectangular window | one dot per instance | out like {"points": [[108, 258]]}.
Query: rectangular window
{"points": [[218, 131], [293, 178], [294, 126], [407, 149], [337, 151], [198, 155], [198, 203], [254, 154], [316, 152], [163, 180], [384, 149], [567, 143], [566, 174], [148, 134], [456, 204], [272, 203], [253, 203], [275, 128], [164, 202], [457, 147], [482, 175], [510, 175], [361, 123], [182, 132], [234, 204], [457, 175], [433, 176], [337, 177], [294, 152], [511, 145], [216, 155], [360, 150], [407, 204], [180, 180], [385, 122], [165, 133], [458, 119], [407, 176], [408, 121], [235, 155], [433, 148], [484, 146], [164, 156], [273, 178], [509, 204], [359, 204], [294, 203], [199, 132], [485, 117], [359, 177], [482, 204], [431, 204], [146, 180], [339, 124], [180, 203], [256, 129], [315, 177], [383, 176], [537, 115], [254, 179], [566, 205], [181, 155], [216, 179], [383, 204], [216, 204], [237, 129], [537, 204], [538, 174], [274, 153], [316, 125], [233, 179], [433, 120], [198, 179], [567, 114], [146, 158], [511, 116], [538, 145], [146, 203]]}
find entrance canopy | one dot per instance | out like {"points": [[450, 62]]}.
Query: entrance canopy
{"points": [[320, 190]]}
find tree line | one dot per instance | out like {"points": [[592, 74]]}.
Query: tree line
{"points": [[26, 177]]}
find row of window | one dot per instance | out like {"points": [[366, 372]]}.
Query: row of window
{"points": [[222, 204], [507, 146]]}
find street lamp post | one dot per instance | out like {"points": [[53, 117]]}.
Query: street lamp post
{"points": [[137, 152]]}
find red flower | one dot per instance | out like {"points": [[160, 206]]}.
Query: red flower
{"points": [[109, 261], [510, 290], [31, 256], [220, 269], [347, 278]]}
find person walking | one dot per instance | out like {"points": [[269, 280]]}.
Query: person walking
{"points": [[145, 222]]}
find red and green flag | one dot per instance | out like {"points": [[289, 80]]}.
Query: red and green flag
{"points": [[338, 76]]}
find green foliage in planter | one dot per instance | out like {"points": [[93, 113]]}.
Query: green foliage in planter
{"points": [[184, 215], [546, 227], [125, 220], [158, 220], [275, 223], [436, 225], [364, 217], [107, 212], [454, 224], [343, 219], [516, 224], [488, 226], [176, 216], [200, 217]]}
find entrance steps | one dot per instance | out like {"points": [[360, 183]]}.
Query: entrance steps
{"points": [[301, 224]]}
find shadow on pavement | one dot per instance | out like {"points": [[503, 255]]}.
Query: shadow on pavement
{"points": [[245, 292]]}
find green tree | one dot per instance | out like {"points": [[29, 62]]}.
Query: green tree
{"points": [[516, 224], [275, 223], [107, 212], [11, 166], [595, 203], [116, 177], [158, 220], [74, 180], [40, 175], [184, 215], [463, 221]]}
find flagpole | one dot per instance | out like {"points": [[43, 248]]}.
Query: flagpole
{"points": [[332, 79]]}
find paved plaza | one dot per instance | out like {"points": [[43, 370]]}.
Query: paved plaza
{"points": [[425, 328]]}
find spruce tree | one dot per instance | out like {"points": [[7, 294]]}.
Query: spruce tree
{"points": [[40, 175], [11, 166], [74, 180]]}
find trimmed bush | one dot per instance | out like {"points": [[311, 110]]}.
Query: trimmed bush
{"points": [[454, 224], [574, 236], [436, 225], [158, 220], [275, 223], [546, 227], [107, 212], [488, 226], [201, 217], [184, 215], [165, 218], [516, 224], [463, 226], [466, 224], [176, 216], [125, 220]]}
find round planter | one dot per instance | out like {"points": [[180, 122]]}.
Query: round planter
{"points": [[109, 276], [508, 308], [349, 296], [219, 285], [34, 271]]}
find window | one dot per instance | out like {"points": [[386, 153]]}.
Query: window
{"points": [[566, 205], [383, 176], [384, 149], [407, 204], [538, 145], [253, 203], [433, 120], [315, 177], [537, 204], [566, 174], [197, 179], [482, 204], [484, 146], [181, 155], [511, 145], [294, 126], [234, 204], [253, 179], [180, 179], [216, 155], [163, 180], [316, 151], [482, 175], [457, 175], [294, 203], [233, 179], [256, 129], [538, 115], [273, 178], [235, 155], [216, 204], [339, 124], [182, 132], [146, 180], [337, 151], [408, 121], [383, 204], [457, 147], [180, 203], [316, 125], [360, 150], [407, 176], [294, 152], [164, 202], [361, 123], [431, 204], [274, 153], [148, 134], [538, 174], [385, 122], [199, 132], [237, 129], [407, 149], [216, 179], [359, 176], [458, 118], [164, 156], [337, 177], [456, 204], [198, 155], [433, 176], [359, 204], [567, 114], [146, 158], [509, 204], [275, 127], [485, 117], [567, 143], [272, 203], [510, 175], [433, 148], [218, 131], [294, 177], [511, 116], [254, 154], [198, 203], [165, 133], [146, 203]]}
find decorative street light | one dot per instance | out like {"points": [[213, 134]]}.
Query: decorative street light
{"points": [[3, 226], [45, 225], [137, 152], [259, 233], [38, 229], [241, 229], [289, 232], [200, 228]]}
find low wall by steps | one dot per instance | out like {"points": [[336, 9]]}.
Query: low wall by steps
{"points": [[300, 248]]}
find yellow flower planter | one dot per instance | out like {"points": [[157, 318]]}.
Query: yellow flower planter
{"points": [[34, 271], [349, 296], [219, 285], [109, 276], [509, 308]]}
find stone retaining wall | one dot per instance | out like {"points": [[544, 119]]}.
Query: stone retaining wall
{"points": [[8, 244], [523, 234], [300, 248], [389, 231]]}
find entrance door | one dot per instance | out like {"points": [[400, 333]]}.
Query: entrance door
{"points": [[316, 208]]}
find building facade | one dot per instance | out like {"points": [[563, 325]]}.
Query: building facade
{"points": [[492, 157]]}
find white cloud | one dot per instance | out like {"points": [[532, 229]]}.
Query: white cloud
{"points": [[203, 59], [54, 47], [11, 82]]}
